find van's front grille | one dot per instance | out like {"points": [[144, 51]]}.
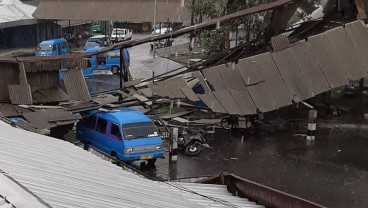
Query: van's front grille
{"points": [[144, 149]]}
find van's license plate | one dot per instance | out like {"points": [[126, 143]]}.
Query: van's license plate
{"points": [[146, 157]]}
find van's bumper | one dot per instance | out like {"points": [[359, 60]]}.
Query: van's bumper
{"points": [[142, 156]]}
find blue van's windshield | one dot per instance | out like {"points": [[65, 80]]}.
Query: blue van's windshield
{"points": [[45, 47], [139, 130], [94, 42]]}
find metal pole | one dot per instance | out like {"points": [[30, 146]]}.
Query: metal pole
{"points": [[154, 28], [121, 68], [312, 125]]}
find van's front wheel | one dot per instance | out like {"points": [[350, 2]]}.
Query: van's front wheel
{"points": [[115, 70], [151, 161]]}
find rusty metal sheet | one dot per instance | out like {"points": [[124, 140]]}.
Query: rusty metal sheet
{"points": [[211, 101], [60, 115], [54, 94], [228, 102], [256, 85], [358, 35], [213, 76], [268, 70], [27, 126], [322, 50], [38, 119], [280, 42], [291, 74], [105, 99], [203, 82], [8, 110], [347, 57], [232, 77], [244, 101], [309, 67], [174, 86], [80, 107], [76, 85], [20, 94]]}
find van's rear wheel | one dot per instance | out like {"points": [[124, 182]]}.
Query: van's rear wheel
{"points": [[115, 70]]}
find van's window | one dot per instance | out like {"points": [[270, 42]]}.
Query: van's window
{"points": [[64, 45], [44, 47], [89, 122], [54, 48], [139, 130], [113, 54], [94, 42], [115, 131], [101, 125]]}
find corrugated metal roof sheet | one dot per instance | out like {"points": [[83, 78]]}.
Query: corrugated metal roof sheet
{"points": [[228, 102], [7, 110], [123, 10], [39, 119], [268, 70], [309, 67], [291, 74], [54, 94], [232, 77], [214, 78], [280, 42], [261, 95], [105, 99], [63, 175], [358, 34], [322, 50], [347, 56], [76, 85], [20, 94], [203, 82], [15, 10], [211, 101], [244, 101]]}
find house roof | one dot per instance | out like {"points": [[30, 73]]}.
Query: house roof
{"points": [[64, 175], [15, 13], [112, 10]]}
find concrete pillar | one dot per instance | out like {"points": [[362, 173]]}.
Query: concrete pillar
{"points": [[312, 125], [174, 145]]}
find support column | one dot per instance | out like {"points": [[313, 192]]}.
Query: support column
{"points": [[312, 125], [173, 154]]}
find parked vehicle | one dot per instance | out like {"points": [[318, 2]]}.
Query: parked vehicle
{"points": [[108, 61], [120, 34], [192, 142], [53, 47], [124, 134], [97, 40], [162, 31], [96, 27]]}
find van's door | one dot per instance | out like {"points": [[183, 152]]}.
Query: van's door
{"points": [[100, 137], [115, 138]]}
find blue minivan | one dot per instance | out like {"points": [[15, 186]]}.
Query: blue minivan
{"points": [[125, 134], [109, 60], [53, 47]]}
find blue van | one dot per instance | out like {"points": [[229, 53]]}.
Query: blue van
{"points": [[97, 41], [53, 47], [109, 60], [123, 133]]}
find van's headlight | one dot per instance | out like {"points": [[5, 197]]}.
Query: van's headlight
{"points": [[158, 147], [129, 150]]}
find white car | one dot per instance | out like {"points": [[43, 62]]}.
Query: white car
{"points": [[120, 34], [162, 31]]}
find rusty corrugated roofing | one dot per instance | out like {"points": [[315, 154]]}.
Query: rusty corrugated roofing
{"points": [[105, 99], [54, 94], [123, 10], [280, 42], [358, 34], [20, 94], [39, 119], [76, 85], [7, 110]]}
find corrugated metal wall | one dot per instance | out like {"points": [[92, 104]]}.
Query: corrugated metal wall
{"points": [[43, 80], [9, 74]]}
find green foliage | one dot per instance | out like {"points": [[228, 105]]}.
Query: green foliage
{"points": [[212, 41]]}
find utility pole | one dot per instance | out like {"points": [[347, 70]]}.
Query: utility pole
{"points": [[154, 28]]}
